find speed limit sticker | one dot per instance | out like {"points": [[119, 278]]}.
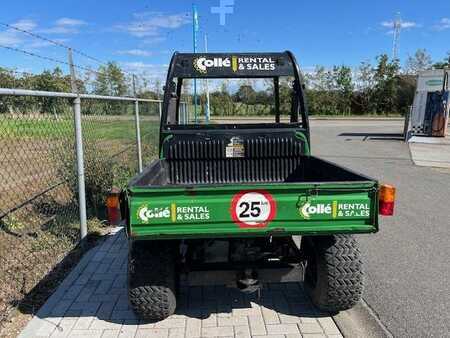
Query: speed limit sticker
{"points": [[253, 209]]}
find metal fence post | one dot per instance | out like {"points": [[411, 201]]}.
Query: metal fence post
{"points": [[79, 151], [138, 127], [160, 109], [138, 135], [80, 167]]}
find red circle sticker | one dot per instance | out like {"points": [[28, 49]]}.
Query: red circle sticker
{"points": [[253, 209]]}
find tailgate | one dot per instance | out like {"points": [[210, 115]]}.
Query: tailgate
{"points": [[254, 210]]}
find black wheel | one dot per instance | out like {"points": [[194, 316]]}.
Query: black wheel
{"points": [[151, 279], [333, 274]]}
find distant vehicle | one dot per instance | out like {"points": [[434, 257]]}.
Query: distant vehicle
{"points": [[250, 187]]}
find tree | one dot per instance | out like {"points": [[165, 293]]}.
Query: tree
{"points": [[444, 63], [157, 88], [362, 97], [245, 94], [110, 80], [385, 90], [420, 61], [321, 94], [344, 87]]}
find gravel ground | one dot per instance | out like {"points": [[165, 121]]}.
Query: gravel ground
{"points": [[407, 262]]}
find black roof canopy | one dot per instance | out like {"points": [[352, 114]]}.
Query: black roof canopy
{"points": [[232, 65]]}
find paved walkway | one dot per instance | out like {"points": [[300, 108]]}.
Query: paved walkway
{"points": [[92, 302]]}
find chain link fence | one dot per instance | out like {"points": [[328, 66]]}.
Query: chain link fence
{"points": [[39, 205]]}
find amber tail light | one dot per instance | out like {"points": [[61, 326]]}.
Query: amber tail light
{"points": [[386, 200]]}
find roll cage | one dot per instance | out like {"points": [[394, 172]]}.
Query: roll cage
{"points": [[233, 65]]}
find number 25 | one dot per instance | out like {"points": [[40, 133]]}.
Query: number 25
{"points": [[250, 210]]}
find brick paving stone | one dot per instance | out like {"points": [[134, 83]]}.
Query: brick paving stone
{"points": [[257, 326], [64, 328], [310, 328], [242, 331], [73, 314], [153, 333], [86, 334], [193, 327], [328, 326], [289, 319], [282, 328], [232, 321], [128, 331], [118, 291], [308, 320], [83, 323], [217, 331], [45, 329], [123, 314], [103, 287], [83, 278], [210, 321], [60, 309], [110, 334], [90, 268], [103, 298], [86, 294], [176, 333], [270, 316], [254, 310], [93, 302], [85, 306], [73, 292], [170, 323], [100, 324]]}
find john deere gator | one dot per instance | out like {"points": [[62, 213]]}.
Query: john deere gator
{"points": [[248, 183]]}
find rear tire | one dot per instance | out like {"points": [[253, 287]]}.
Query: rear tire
{"points": [[333, 274], [151, 279]]}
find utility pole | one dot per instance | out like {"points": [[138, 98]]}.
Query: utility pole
{"points": [[194, 36], [207, 110], [397, 26]]}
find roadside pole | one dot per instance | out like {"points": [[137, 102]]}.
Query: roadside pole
{"points": [[207, 111], [79, 151], [138, 127], [194, 37]]}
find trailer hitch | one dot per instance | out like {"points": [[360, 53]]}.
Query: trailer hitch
{"points": [[247, 281]]}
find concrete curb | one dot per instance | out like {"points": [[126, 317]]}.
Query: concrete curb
{"points": [[334, 118], [361, 321]]}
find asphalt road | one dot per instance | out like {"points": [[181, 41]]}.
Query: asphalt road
{"points": [[407, 262]]}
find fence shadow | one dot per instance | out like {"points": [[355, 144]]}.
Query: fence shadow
{"points": [[40, 293], [375, 136]]}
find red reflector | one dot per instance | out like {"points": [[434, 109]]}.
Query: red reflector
{"points": [[386, 208]]}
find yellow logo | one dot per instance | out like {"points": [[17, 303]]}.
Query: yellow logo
{"points": [[173, 209], [334, 208], [234, 63]]}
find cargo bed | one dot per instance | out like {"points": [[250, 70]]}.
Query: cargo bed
{"points": [[225, 171], [293, 196]]}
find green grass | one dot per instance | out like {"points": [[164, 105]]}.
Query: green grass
{"points": [[93, 127]]}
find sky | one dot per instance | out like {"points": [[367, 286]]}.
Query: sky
{"points": [[141, 35]]}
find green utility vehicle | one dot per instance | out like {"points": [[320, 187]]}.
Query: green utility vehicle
{"points": [[246, 187]]}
